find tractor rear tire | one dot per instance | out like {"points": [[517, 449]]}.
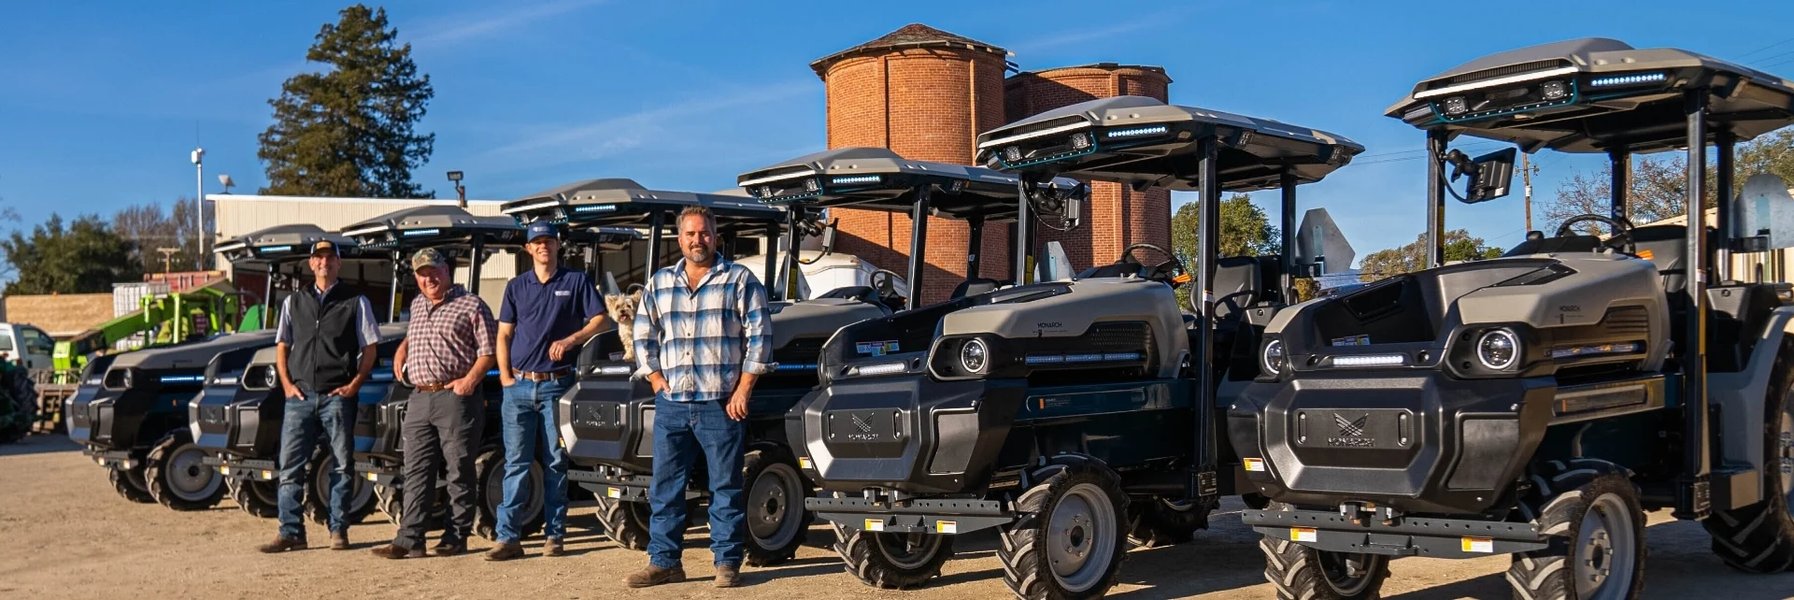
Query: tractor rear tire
{"points": [[1301, 572], [1071, 534], [1591, 513], [129, 484], [892, 561], [1760, 538], [1159, 522], [775, 492], [391, 500], [317, 492], [625, 523], [259, 498], [178, 478]]}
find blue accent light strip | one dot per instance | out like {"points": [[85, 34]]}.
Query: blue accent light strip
{"points": [[1634, 79], [183, 379], [795, 367], [595, 208], [854, 179], [422, 232], [286, 248], [1136, 131]]}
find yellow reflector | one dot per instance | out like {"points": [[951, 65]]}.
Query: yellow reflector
{"points": [[875, 524], [946, 527], [1476, 544], [804, 462], [613, 492], [1254, 464], [1302, 534]]}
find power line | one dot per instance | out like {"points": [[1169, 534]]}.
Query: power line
{"points": [[1759, 50]]}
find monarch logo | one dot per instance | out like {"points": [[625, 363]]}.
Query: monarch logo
{"points": [[1351, 432], [862, 424]]}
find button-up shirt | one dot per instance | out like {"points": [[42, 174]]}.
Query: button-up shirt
{"points": [[702, 339], [444, 338]]}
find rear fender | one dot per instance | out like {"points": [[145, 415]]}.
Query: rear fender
{"points": [[1740, 395]]}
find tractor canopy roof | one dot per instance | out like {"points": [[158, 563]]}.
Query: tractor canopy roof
{"points": [[879, 179], [1596, 95], [1145, 142], [283, 243], [434, 225], [617, 204]]}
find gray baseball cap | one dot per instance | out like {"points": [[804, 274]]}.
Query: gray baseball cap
{"points": [[428, 257]]}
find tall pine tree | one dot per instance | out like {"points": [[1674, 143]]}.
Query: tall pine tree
{"points": [[350, 130]]}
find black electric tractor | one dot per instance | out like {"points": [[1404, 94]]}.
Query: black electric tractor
{"points": [[468, 241], [1537, 404], [607, 418], [1043, 409], [135, 423], [237, 418]]}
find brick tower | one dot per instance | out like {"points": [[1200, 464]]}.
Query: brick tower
{"points": [[1115, 216], [925, 94]]}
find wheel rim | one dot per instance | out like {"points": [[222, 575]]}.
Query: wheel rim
{"points": [[1604, 561], [359, 491], [908, 551], [188, 476], [772, 519], [1080, 537], [1348, 574]]}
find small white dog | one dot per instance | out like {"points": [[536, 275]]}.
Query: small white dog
{"points": [[622, 308]]}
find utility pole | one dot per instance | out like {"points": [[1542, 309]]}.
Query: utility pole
{"points": [[167, 255], [1526, 180]]}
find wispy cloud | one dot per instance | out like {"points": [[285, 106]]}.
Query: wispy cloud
{"points": [[505, 17], [1084, 35], [613, 135]]}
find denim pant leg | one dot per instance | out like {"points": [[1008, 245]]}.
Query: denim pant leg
{"points": [[518, 423], [553, 457], [336, 416], [298, 437], [674, 452], [725, 442]]}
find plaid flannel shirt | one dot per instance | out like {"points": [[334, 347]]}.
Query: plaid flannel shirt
{"points": [[702, 340], [442, 341]]}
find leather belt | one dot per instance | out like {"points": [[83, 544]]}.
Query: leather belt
{"points": [[433, 387], [541, 377]]}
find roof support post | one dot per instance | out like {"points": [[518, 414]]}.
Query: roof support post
{"points": [[1694, 498], [1203, 481], [657, 224], [918, 239], [774, 266], [974, 245], [1286, 183], [1435, 197], [1023, 234], [1620, 188], [1724, 144]]}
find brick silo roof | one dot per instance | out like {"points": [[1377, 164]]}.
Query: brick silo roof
{"points": [[913, 35]]}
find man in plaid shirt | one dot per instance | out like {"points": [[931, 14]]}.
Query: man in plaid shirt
{"points": [[703, 335], [448, 348]]}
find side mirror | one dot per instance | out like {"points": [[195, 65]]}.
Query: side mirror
{"points": [[1489, 175]]}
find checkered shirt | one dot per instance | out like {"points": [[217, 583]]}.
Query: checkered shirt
{"points": [[702, 340], [444, 339]]}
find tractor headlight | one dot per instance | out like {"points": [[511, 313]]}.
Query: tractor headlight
{"points": [[1554, 90], [1080, 141], [1456, 105], [129, 380], [1012, 154], [974, 356], [1272, 358], [270, 377], [1498, 349]]}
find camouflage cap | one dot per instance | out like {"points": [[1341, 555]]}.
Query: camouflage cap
{"points": [[428, 257]]}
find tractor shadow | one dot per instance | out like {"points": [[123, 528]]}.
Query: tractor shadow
{"points": [[39, 443]]}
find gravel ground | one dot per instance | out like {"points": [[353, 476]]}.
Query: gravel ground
{"points": [[67, 535]]}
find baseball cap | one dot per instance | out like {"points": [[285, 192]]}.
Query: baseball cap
{"points": [[428, 257], [541, 228], [325, 246]]}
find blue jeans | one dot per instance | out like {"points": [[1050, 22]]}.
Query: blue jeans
{"points": [[681, 431], [305, 418], [530, 432]]}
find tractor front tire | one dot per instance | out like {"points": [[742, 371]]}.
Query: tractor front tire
{"points": [[1591, 513], [892, 561], [178, 477]]}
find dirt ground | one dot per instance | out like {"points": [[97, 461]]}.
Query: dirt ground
{"points": [[65, 534]]}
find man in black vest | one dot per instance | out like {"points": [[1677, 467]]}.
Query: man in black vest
{"points": [[325, 342]]}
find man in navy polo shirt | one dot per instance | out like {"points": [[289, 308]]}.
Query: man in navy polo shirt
{"points": [[546, 315]]}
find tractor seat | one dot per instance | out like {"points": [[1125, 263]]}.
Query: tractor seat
{"points": [[1242, 282], [1666, 246]]}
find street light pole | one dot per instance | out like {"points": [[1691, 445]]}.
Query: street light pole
{"points": [[199, 207], [460, 190]]}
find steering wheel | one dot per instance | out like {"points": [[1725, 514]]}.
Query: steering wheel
{"points": [[1171, 272], [886, 283], [1621, 227]]}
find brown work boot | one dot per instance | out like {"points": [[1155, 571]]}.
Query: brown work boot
{"points": [[281, 544], [653, 576], [393, 551], [339, 540], [505, 551], [553, 547], [449, 548], [728, 576]]}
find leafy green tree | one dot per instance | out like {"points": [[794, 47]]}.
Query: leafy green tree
{"points": [[1245, 231], [350, 130], [85, 256], [1459, 246], [1658, 187]]}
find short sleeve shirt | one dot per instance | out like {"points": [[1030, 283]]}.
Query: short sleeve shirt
{"points": [[443, 339], [542, 312]]}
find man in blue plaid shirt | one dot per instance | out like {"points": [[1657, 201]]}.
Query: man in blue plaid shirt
{"points": [[703, 335]]}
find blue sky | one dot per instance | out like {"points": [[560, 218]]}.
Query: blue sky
{"points": [[102, 101]]}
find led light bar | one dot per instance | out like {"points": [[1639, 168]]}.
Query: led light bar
{"points": [[1477, 85], [1136, 131], [772, 178], [1034, 134], [224, 381], [421, 232], [1370, 360], [1092, 357], [854, 179], [885, 368], [183, 379], [792, 367], [1595, 350], [1633, 79], [595, 208], [286, 248], [543, 204]]}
